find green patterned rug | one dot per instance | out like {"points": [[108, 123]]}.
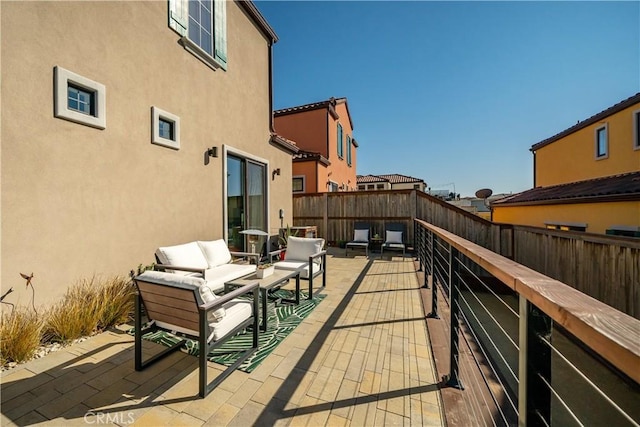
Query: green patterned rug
{"points": [[281, 321]]}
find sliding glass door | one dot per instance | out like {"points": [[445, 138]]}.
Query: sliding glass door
{"points": [[246, 200]]}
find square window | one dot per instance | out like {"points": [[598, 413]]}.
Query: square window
{"points": [[298, 184], [165, 128], [602, 142], [379, 186], [79, 99]]}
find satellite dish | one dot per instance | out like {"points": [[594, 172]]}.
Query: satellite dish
{"points": [[484, 193]]}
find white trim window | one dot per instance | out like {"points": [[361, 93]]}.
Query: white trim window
{"points": [[299, 184], [636, 130], [203, 27], [79, 99], [165, 128], [602, 141]]}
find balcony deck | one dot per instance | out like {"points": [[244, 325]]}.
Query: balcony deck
{"points": [[362, 357]]}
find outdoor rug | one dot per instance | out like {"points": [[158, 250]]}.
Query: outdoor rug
{"points": [[281, 321]]}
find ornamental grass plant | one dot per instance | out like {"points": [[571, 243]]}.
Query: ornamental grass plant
{"points": [[20, 334]]}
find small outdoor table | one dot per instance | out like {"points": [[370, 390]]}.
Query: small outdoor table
{"points": [[271, 282]]}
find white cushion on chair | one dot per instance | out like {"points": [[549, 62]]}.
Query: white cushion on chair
{"points": [[298, 265], [217, 277], [215, 252], [237, 311], [394, 237], [187, 255], [208, 296], [361, 235], [301, 248]]}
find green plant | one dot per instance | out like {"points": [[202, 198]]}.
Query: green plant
{"points": [[20, 333], [264, 266], [286, 233]]}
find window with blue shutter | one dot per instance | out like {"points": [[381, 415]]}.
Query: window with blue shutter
{"points": [[203, 27], [340, 144], [348, 150]]}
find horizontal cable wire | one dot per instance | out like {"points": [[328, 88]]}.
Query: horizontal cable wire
{"points": [[490, 339], [593, 385], [495, 373], [488, 312], [486, 383], [488, 288], [560, 399]]}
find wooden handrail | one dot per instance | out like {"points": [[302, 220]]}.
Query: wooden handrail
{"points": [[612, 334]]}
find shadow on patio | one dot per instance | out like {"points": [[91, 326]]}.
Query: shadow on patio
{"points": [[362, 357]]}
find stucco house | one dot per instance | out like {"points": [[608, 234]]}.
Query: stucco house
{"points": [[323, 131], [586, 178], [392, 181], [132, 125]]}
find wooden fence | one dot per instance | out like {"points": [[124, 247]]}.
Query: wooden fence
{"points": [[604, 267]]}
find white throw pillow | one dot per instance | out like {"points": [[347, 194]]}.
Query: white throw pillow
{"points": [[187, 255], [361, 235], [394, 237], [207, 297], [301, 248], [215, 252]]}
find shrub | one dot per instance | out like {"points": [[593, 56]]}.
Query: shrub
{"points": [[20, 332], [76, 315], [116, 302]]}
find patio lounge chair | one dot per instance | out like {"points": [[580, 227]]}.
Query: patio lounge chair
{"points": [[361, 234], [185, 305], [395, 233], [307, 255], [210, 260]]}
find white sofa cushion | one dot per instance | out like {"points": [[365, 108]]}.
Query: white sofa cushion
{"points": [[298, 265], [394, 237], [217, 277], [301, 248], [186, 255], [237, 311], [208, 296], [361, 235], [215, 252]]}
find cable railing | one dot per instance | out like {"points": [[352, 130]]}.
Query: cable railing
{"points": [[546, 353]]}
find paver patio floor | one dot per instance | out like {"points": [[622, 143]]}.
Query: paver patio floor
{"points": [[361, 358]]}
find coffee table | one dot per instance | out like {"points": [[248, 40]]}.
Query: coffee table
{"points": [[271, 282]]}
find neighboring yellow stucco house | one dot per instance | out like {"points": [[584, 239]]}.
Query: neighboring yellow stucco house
{"points": [[586, 178], [132, 125]]}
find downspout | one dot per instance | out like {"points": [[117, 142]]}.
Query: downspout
{"points": [[271, 120]]}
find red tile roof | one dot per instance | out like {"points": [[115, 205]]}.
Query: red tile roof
{"points": [[635, 99], [391, 178], [330, 104], [618, 187], [309, 155]]}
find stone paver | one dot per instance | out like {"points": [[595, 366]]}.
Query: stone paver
{"points": [[362, 357]]}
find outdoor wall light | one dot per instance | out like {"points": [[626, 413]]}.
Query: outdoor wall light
{"points": [[212, 152], [274, 173]]}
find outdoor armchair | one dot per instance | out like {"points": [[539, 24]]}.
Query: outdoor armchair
{"points": [[210, 260], [184, 305], [304, 254], [361, 235], [395, 234]]}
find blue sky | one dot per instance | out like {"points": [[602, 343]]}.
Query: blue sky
{"points": [[456, 93]]}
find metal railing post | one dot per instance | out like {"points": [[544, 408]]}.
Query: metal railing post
{"points": [[523, 326], [434, 286], [453, 379], [538, 366], [417, 230]]}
